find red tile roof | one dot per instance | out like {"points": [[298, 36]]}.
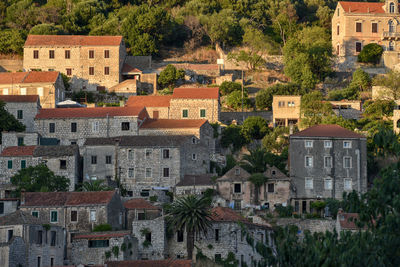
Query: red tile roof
{"points": [[150, 263], [18, 151], [149, 101], [196, 93], [327, 130], [140, 204], [101, 235], [72, 40], [170, 123], [67, 198], [223, 214], [348, 221], [362, 7], [126, 68], [12, 77], [19, 98], [99, 112], [28, 77]]}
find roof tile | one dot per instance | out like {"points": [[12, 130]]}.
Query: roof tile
{"points": [[19, 98], [139, 203], [18, 151], [362, 7], [150, 263], [171, 123], [149, 101], [327, 130], [101, 235], [99, 112], [72, 40], [200, 179], [196, 93], [41, 77]]}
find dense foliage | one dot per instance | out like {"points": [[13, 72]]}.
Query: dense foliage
{"points": [[169, 76], [8, 123], [371, 53]]}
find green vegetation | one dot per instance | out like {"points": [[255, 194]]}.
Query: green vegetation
{"points": [[228, 87], [254, 127], [264, 97], [392, 83], [169, 76], [314, 109], [371, 53], [94, 185], [234, 100], [8, 122], [102, 228]]}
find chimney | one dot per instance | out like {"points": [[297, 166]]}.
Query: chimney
{"points": [[22, 196]]}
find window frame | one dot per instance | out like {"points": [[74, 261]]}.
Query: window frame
{"points": [[51, 216], [20, 141], [125, 126], [130, 154], [166, 154], [52, 54], [306, 162], [374, 27], [74, 127], [106, 70], [309, 187], [358, 50], [185, 113], [10, 164], [52, 127], [63, 166], [36, 212], [35, 54], [307, 142], [349, 182], [234, 188], [349, 142], [166, 173], [93, 159], [131, 172], [70, 218], [205, 113], [146, 172], [330, 162], [108, 159], [106, 53], [350, 162], [91, 217], [358, 26], [269, 186], [91, 71], [95, 126], [326, 182], [23, 164], [91, 54], [20, 114], [68, 71], [328, 142], [67, 54]]}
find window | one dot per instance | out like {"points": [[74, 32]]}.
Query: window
{"points": [[290, 104], [51, 261], [108, 159], [94, 160], [347, 184], [185, 113], [145, 193], [73, 127], [202, 113], [328, 162], [165, 153], [98, 243], [63, 164], [53, 238], [130, 154], [281, 104], [20, 141], [391, 7], [374, 27], [308, 143], [149, 152], [35, 214], [52, 127], [309, 161], [328, 184], [194, 140], [125, 126], [216, 235], [91, 70], [237, 171], [327, 144], [91, 53], [131, 172], [309, 184], [358, 26], [237, 205], [271, 188], [9, 164], [10, 234], [391, 46], [148, 237], [179, 236], [40, 91], [69, 72], [166, 172], [141, 216], [95, 126], [346, 144], [106, 70], [51, 53], [23, 91], [194, 156], [237, 188], [92, 215], [358, 47], [74, 215], [106, 53], [39, 260], [337, 30], [1, 208], [67, 54], [148, 172], [347, 162], [338, 50], [217, 257], [53, 216], [23, 164], [35, 54], [20, 114], [391, 26]]}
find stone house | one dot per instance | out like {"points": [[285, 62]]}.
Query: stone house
{"points": [[151, 263], [126, 88], [139, 209], [325, 161], [74, 125], [19, 139], [12, 253], [286, 110], [8, 205], [145, 164], [23, 107], [43, 244], [396, 117], [277, 190], [157, 106], [92, 62], [48, 85], [194, 184], [229, 233], [347, 222], [348, 109], [62, 160], [96, 248]]}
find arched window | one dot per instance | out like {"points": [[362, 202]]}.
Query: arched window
{"points": [[391, 46], [391, 26], [398, 124], [391, 7]]}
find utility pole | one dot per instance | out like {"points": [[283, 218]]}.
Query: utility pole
{"points": [[242, 95]]}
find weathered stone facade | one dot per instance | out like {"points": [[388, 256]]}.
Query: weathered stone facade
{"points": [[13, 138], [8, 205], [286, 110], [195, 185], [312, 225], [13, 253]]}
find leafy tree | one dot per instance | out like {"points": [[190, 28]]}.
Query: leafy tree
{"points": [[191, 214], [386, 143], [94, 185], [264, 97], [277, 140], [11, 41], [314, 109], [234, 100], [230, 163], [47, 29], [231, 135], [228, 87], [39, 179], [254, 127], [371, 53], [392, 83], [8, 123], [361, 80], [258, 180], [350, 93], [379, 108], [66, 80], [339, 120], [102, 228], [255, 162], [169, 76]]}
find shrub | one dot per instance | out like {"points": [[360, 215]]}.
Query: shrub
{"points": [[254, 127], [102, 228], [115, 251], [284, 211], [232, 135], [169, 76], [350, 93], [361, 80], [153, 198], [371, 53], [234, 100], [228, 87]]}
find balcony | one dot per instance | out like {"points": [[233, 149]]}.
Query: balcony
{"points": [[390, 35]]}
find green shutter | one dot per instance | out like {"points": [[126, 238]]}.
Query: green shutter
{"points": [[202, 113], [10, 164], [185, 113], [54, 215], [35, 214], [23, 164]]}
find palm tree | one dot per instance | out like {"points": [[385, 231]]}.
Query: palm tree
{"points": [[256, 161], [258, 180], [94, 185], [190, 213]]}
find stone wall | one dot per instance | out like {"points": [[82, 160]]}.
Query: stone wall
{"points": [[193, 106], [10, 205], [148, 82], [312, 225], [6, 173], [12, 65], [11, 139], [29, 111], [228, 117], [13, 253]]}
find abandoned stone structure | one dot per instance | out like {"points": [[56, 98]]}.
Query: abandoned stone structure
{"points": [[348, 109], [48, 85], [194, 184], [325, 161], [42, 244], [62, 160], [277, 190], [143, 163], [8, 205], [139, 209], [286, 110], [92, 62]]}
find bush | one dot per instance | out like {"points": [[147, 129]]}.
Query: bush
{"points": [[169, 76], [228, 87], [234, 100], [254, 127], [371, 53], [361, 80], [350, 93], [232, 135], [153, 198], [81, 95], [284, 211], [102, 228]]}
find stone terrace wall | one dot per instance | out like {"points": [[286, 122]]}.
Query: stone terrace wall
{"points": [[313, 225], [227, 117], [11, 65]]}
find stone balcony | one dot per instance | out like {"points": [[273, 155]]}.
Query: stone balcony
{"points": [[390, 35]]}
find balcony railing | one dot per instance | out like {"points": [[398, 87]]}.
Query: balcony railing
{"points": [[390, 35]]}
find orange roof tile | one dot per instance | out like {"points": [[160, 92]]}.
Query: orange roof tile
{"points": [[223, 214], [150, 263], [100, 112], [19, 98], [101, 235], [327, 130], [139, 203], [149, 101], [362, 7], [126, 68], [72, 40], [348, 220], [12, 77], [41, 76], [18, 151], [169, 123], [196, 93]]}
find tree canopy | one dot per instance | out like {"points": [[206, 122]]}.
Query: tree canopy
{"points": [[8, 123]]}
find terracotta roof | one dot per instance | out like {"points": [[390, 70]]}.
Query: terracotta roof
{"points": [[196, 93], [348, 221], [18, 151], [223, 214], [67, 198], [192, 180], [140, 141], [100, 112], [169, 123], [12, 77], [41, 77], [101, 235], [126, 68], [140, 204], [327, 130], [149, 101], [19, 98], [150, 263], [72, 40], [362, 7], [234, 175]]}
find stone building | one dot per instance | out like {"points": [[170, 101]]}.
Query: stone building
{"points": [[348, 109], [139, 209], [277, 190], [12, 253], [62, 160], [74, 125], [325, 161], [98, 247], [194, 184], [286, 110], [8, 205], [92, 62], [23, 107], [48, 85], [229, 233], [43, 244], [145, 164], [19, 139], [126, 88]]}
